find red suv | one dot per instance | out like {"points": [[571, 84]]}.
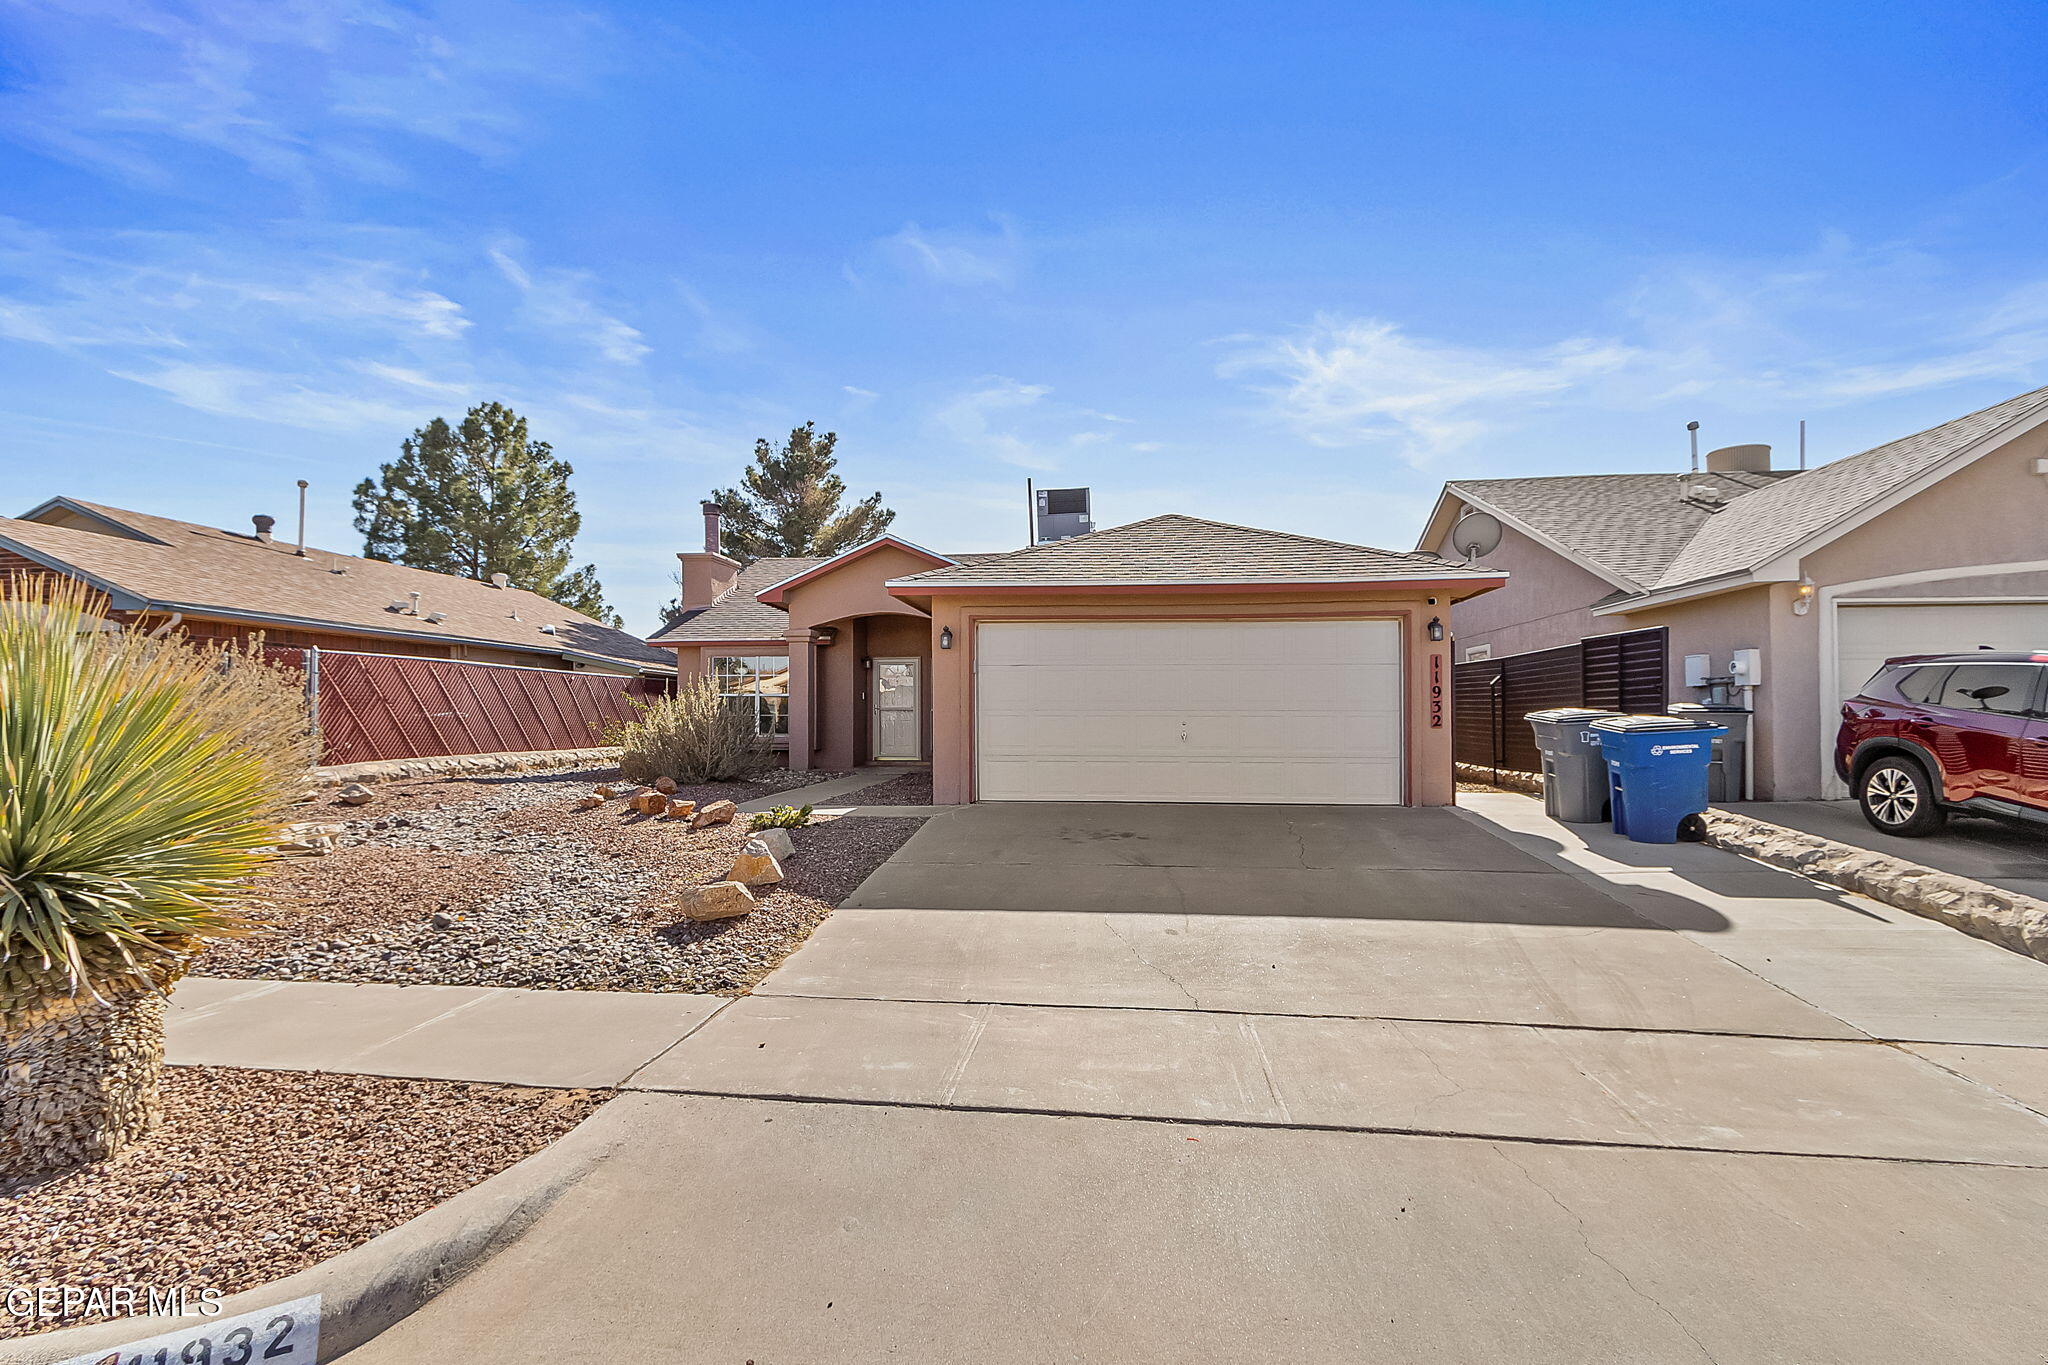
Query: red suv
{"points": [[1933, 733]]}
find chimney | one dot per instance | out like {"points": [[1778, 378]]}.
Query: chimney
{"points": [[707, 573], [263, 525], [1739, 460]]}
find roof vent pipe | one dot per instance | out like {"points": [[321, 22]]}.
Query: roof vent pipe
{"points": [[501, 580], [1692, 431], [302, 519], [263, 525], [414, 599], [713, 516]]}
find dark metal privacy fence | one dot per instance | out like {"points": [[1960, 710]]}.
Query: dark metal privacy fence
{"points": [[1623, 672], [382, 706]]}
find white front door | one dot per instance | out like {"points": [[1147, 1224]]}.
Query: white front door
{"points": [[1226, 711], [895, 729]]}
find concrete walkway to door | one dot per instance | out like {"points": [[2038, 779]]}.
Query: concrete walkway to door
{"points": [[1284, 1084]]}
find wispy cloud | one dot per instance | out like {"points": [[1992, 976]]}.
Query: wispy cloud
{"points": [[1839, 325], [1343, 382], [291, 90], [973, 258], [560, 301], [1004, 419]]}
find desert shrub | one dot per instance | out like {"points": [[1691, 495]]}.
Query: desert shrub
{"points": [[141, 783], [782, 817], [694, 736]]}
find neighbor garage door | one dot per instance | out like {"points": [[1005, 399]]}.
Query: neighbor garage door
{"points": [[1251, 711], [1868, 636]]}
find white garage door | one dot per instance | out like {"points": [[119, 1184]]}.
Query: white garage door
{"points": [[1867, 636], [1248, 711]]}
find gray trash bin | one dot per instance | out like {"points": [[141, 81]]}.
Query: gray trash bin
{"points": [[1725, 778], [1574, 771]]}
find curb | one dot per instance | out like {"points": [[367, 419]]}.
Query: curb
{"points": [[2014, 922], [393, 769], [368, 1289]]}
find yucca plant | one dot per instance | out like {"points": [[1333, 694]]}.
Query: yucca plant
{"points": [[141, 783]]}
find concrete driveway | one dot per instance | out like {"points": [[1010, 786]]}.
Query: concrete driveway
{"points": [[1269, 1084]]}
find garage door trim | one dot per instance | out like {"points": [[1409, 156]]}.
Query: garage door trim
{"points": [[1399, 621]]}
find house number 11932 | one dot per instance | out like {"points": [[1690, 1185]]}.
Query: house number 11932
{"points": [[1436, 691]]}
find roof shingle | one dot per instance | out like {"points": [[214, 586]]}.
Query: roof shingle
{"points": [[1177, 549], [200, 569]]}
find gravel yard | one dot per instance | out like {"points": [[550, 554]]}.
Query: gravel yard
{"points": [[914, 788], [258, 1174], [502, 883]]}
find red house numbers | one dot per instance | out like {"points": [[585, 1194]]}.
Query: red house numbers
{"points": [[1436, 691]]}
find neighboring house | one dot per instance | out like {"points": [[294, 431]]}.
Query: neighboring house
{"points": [[227, 585], [1172, 659], [1935, 542]]}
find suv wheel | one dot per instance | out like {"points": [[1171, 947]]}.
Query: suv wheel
{"points": [[1899, 798]]}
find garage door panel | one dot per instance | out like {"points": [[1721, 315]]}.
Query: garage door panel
{"points": [[1869, 635], [1264, 711]]}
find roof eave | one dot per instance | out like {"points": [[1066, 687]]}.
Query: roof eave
{"points": [[774, 593], [1477, 583], [91, 513], [1684, 592]]}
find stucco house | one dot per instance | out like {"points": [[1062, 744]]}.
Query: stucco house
{"points": [[231, 585], [1936, 541], [1172, 659]]}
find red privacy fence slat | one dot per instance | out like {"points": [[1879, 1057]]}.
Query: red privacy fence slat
{"points": [[380, 706]]}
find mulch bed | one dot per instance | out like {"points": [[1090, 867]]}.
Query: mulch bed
{"points": [[914, 788], [511, 886], [256, 1175]]}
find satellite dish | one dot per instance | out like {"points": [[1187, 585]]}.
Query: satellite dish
{"points": [[1475, 534]]}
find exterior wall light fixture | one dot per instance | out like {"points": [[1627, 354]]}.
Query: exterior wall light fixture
{"points": [[945, 637], [1436, 628], [1803, 602]]}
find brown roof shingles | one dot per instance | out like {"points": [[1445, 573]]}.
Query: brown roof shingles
{"points": [[1174, 549], [202, 570]]}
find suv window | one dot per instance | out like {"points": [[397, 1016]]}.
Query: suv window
{"points": [[2000, 689], [1921, 684]]}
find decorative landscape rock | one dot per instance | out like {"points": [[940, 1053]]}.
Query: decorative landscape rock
{"points": [[604, 792], [665, 785], [649, 803], [777, 841], [679, 809], [355, 794], [307, 840], [716, 813], [755, 866], [720, 900], [590, 802]]}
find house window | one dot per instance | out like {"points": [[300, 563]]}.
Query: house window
{"points": [[758, 684]]}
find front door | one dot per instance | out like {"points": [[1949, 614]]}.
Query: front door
{"points": [[894, 733]]}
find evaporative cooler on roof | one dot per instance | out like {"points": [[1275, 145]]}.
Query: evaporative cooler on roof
{"points": [[1063, 512]]}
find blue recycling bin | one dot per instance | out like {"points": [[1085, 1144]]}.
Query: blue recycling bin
{"points": [[1656, 772]]}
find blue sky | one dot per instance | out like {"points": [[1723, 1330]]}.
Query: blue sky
{"points": [[1286, 264]]}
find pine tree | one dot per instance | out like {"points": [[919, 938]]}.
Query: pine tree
{"points": [[790, 505], [480, 499]]}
